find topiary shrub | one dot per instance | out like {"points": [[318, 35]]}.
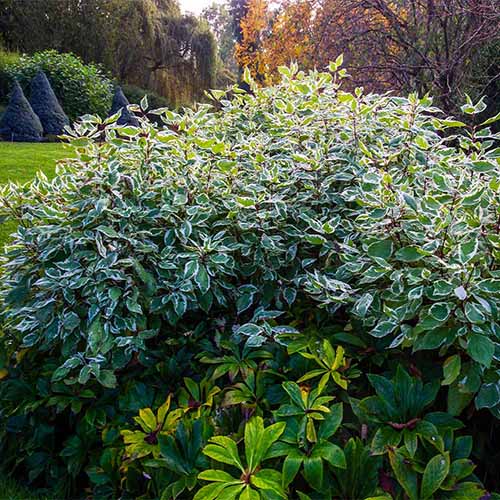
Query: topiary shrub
{"points": [[45, 104], [19, 122], [292, 297], [120, 105], [81, 88]]}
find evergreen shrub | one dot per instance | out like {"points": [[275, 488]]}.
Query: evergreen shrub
{"points": [[19, 122], [46, 106]]}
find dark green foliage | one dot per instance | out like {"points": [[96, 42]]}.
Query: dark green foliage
{"points": [[45, 104], [80, 88], [6, 59], [19, 122], [235, 305], [120, 105]]}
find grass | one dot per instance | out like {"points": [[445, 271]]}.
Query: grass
{"points": [[19, 163]]}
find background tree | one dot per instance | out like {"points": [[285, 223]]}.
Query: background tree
{"points": [[238, 9], [250, 51], [425, 45], [291, 36], [220, 20]]}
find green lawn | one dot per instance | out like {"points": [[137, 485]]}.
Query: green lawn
{"points": [[19, 162]]}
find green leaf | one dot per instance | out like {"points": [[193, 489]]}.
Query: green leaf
{"points": [[409, 254], [133, 306], [381, 249], [451, 369], [210, 492], [231, 492], [474, 313], [440, 311], [481, 349], [191, 269], [330, 452], [148, 419], [459, 469], [483, 166], [216, 475], [313, 471], [410, 201], [223, 449], [428, 431], [249, 329], [258, 440], [404, 473], [488, 396], [293, 390], [385, 438], [114, 293], [268, 479], [331, 422], [108, 231], [245, 202], [362, 305], [489, 285], [434, 474], [470, 491], [244, 302], [249, 494], [291, 466], [457, 400], [315, 239], [466, 251], [491, 120], [107, 379], [202, 279], [411, 441], [383, 328]]}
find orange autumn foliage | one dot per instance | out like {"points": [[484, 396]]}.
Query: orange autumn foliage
{"points": [[249, 52]]}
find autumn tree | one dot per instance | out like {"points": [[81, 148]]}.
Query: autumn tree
{"points": [[428, 46], [250, 52], [291, 36], [436, 46]]}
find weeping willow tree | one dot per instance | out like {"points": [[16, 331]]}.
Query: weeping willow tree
{"points": [[147, 43], [178, 53]]}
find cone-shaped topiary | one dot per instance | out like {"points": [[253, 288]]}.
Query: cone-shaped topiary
{"points": [[45, 104], [19, 122], [120, 102]]}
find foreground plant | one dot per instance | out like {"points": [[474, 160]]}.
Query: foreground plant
{"points": [[267, 256], [254, 482]]}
